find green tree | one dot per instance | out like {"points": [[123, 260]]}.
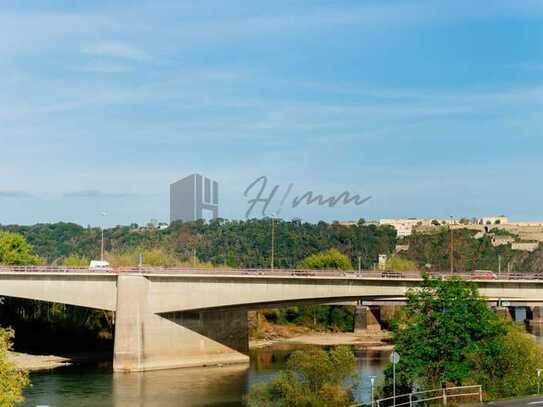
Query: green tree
{"points": [[313, 378], [443, 323], [508, 370], [328, 259], [398, 263], [12, 380], [15, 250], [76, 260], [447, 334]]}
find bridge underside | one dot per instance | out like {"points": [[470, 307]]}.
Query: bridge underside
{"points": [[168, 321]]}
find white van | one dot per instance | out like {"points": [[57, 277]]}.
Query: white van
{"points": [[97, 265]]}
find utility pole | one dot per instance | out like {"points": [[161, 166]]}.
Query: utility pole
{"points": [[102, 243], [272, 242], [359, 264], [452, 245], [499, 265]]}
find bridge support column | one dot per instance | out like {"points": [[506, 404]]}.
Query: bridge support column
{"points": [[148, 341], [366, 320], [537, 315]]}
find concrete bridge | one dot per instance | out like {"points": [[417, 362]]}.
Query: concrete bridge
{"points": [[186, 317]]}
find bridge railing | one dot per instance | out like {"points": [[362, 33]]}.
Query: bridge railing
{"points": [[434, 396], [369, 274]]}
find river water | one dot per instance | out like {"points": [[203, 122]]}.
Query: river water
{"points": [[94, 385]]}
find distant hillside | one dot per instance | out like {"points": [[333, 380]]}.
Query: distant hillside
{"points": [[221, 242], [248, 244]]}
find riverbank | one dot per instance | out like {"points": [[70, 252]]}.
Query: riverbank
{"points": [[33, 363], [286, 334]]}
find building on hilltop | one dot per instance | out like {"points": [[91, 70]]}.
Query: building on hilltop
{"points": [[493, 220]]}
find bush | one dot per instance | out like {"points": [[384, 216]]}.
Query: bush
{"points": [[12, 381], [328, 259], [397, 263], [313, 378]]}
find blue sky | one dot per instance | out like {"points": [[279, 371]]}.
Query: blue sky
{"points": [[434, 108]]}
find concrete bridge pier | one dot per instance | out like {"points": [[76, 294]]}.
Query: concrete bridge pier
{"points": [[366, 319], [145, 340], [536, 315]]}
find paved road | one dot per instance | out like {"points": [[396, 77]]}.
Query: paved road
{"points": [[534, 401]]}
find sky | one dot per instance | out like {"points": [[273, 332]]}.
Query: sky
{"points": [[432, 108]]}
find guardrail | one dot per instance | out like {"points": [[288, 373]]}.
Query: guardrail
{"points": [[393, 275], [444, 395]]}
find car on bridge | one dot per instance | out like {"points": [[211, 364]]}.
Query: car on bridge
{"points": [[483, 275], [99, 265]]}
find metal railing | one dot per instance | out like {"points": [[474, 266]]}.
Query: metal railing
{"points": [[434, 396], [369, 274]]}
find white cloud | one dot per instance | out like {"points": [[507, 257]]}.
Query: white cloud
{"points": [[119, 50]]}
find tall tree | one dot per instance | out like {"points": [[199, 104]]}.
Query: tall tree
{"points": [[15, 250], [12, 380]]}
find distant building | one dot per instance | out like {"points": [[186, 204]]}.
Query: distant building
{"points": [[526, 247], [404, 227], [493, 220], [191, 196], [499, 240], [382, 261]]}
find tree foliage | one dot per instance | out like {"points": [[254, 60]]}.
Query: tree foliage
{"points": [[12, 381], [509, 370], [76, 260], [469, 253], [443, 322], [331, 259], [15, 250], [313, 378], [398, 263], [219, 242], [447, 334]]}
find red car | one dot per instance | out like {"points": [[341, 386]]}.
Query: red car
{"points": [[483, 275]]}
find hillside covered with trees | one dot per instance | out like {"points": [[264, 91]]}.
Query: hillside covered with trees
{"points": [[248, 244], [219, 242]]}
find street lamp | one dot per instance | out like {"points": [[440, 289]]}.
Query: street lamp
{"points": [[104, 214], [372, 380], [272, 241], [273, 219], [452, 245], [394, 359]]}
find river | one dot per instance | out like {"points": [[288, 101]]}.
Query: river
{"points": [[94, 385]]}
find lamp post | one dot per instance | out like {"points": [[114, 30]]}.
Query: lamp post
{"points": [[273, 242], [372, 380], [538, 380], [104, 214], [394, 359], [452, 245]]}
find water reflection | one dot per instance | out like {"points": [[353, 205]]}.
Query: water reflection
{"points": [[90, 386], [222, 386]]}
